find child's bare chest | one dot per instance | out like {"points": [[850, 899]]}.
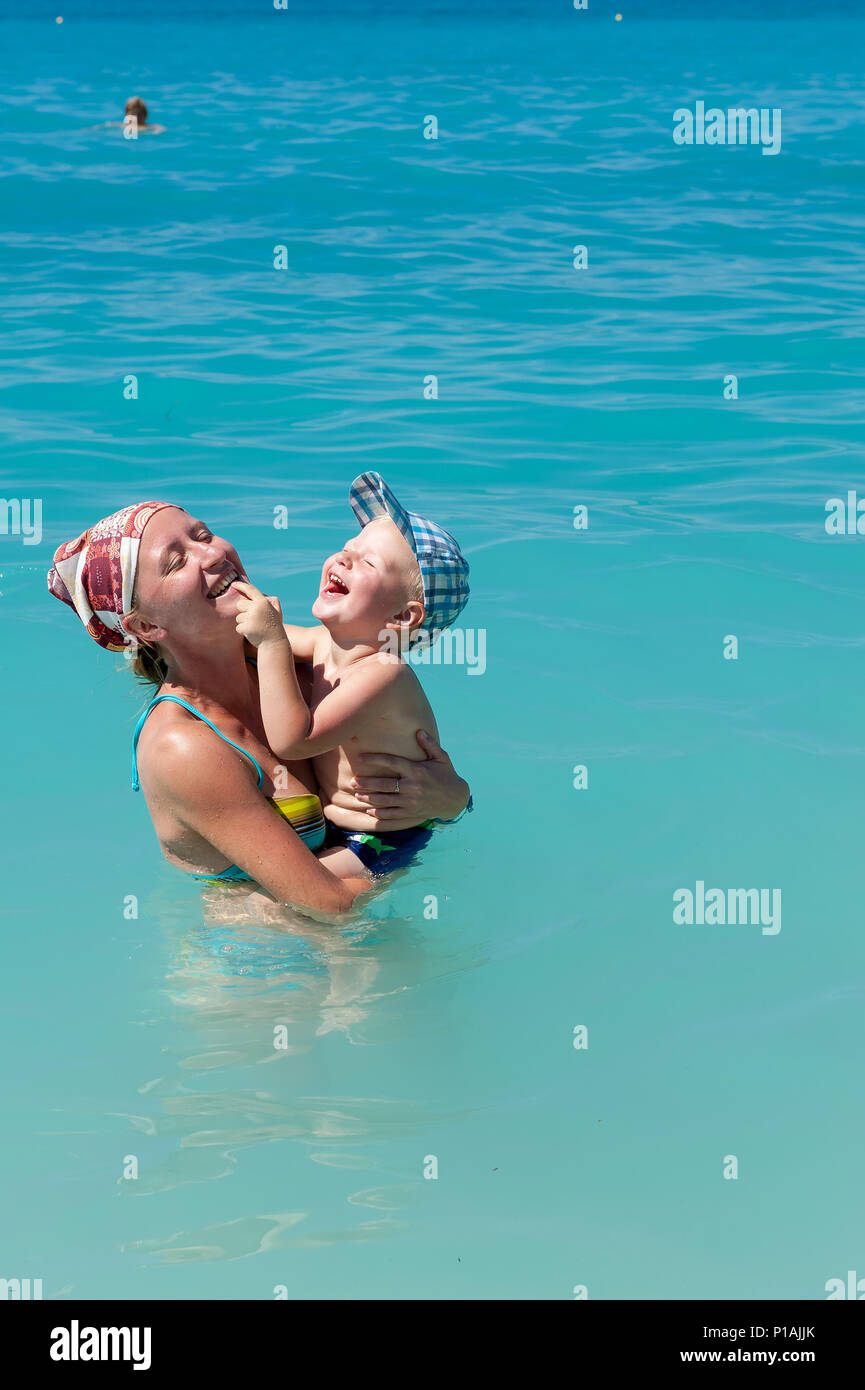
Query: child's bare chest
{"points": [[388, 723], [321, 684]]}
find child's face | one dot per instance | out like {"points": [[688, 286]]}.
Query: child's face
{"points": [[367, 584]]}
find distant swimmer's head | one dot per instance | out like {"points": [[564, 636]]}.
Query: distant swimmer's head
{"points": [[136, 107]]}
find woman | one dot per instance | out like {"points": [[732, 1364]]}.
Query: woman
{"points": [[154, 580]]}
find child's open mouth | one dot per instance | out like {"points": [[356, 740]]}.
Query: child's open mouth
{"points": [[334, 584]]}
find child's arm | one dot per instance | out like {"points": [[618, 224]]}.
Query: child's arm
{"points": [[284, 712], [293, 732], [345, 711], [303, 640]]}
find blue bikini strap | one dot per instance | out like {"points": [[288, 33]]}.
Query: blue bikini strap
{"points": [[175, 699]]}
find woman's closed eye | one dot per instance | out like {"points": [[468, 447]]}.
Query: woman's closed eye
{"points": [[173, 560], [179, 557]]}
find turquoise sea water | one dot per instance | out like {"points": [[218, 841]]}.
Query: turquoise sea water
{"points": [[453, 1038]]}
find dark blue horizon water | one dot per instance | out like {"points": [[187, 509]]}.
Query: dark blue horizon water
{"points": [[676, 13], [536, 14]]}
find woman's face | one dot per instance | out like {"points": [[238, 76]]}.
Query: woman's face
{"points": [[183, 586]]}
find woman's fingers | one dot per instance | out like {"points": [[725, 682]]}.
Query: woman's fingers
{"points": [[407, 804], [428, 789], [371, 767], [372, 786], [433, 750], [347, 800], [376, 816], [386, 815], [364, 801]]}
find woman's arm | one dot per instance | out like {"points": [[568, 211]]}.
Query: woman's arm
{"points": [[212, 792], [430, 790]]}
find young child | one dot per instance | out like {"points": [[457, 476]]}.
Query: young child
{"points": [[400, 574]]}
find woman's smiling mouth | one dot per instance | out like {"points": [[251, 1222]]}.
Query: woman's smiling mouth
{"points": [[223, 585]]}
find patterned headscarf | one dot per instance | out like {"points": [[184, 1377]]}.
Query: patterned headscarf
{"points": [[95, 573]]}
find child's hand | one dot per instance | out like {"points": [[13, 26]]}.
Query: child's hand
{"points": [[259, 616]]}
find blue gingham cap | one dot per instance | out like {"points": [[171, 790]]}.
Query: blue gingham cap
{"points": [[444, 569]]}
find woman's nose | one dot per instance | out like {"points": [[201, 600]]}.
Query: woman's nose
{"points": [[214, 550]]}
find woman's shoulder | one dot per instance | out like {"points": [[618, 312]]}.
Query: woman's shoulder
{"points": [[172, 742]]}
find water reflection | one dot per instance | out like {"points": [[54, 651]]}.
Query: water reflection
{"points": [[256, 1235], [247, 986]]}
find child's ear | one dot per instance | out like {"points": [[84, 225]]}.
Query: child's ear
{"points": [[410, 617]]}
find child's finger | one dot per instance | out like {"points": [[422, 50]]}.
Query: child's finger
{"points": [[244, 587]]}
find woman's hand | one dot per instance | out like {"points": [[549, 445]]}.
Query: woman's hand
{"points": [[427, 790]]}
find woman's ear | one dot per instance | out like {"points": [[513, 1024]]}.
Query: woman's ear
{"points": [[142, 629]]}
